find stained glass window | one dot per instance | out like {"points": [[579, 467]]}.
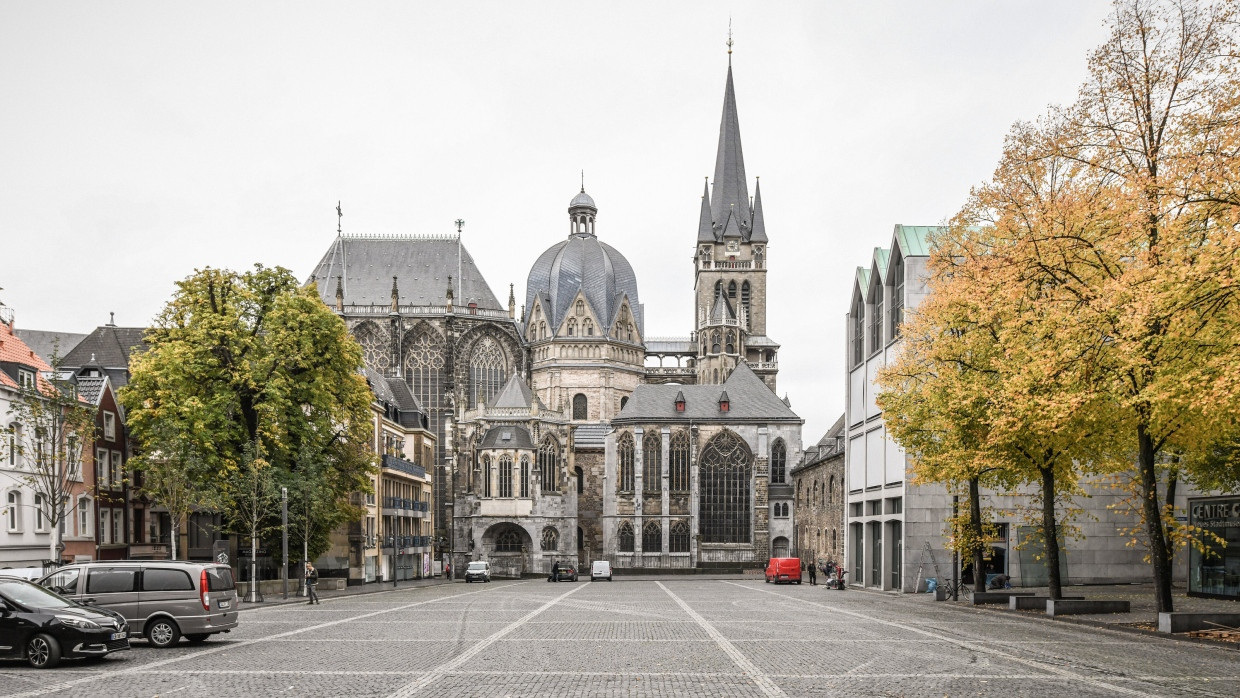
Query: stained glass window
{"points": [[679, 462], [678, 537], [779, 462], [652, 537], [725, 469], [652, 462], [625, 535], [624, 449], [486, 372], [549, 464]]}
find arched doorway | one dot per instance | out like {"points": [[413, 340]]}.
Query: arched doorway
{"points": [[779, 547], [509, 548]]}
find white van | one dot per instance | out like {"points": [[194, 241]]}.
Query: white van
{"points": [[600, 569]]}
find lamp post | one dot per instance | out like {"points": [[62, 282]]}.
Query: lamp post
{"points": [[284, 523], [394, 540]]}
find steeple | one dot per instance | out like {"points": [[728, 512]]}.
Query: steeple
{"points": [[731, 195], [759, 224], [705, 233]]}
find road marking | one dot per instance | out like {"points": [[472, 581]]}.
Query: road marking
{"points": [[1002, 654], [769, 687], [57, 687], [451, 665]]}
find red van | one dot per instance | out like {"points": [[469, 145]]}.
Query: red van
{"points": [[783, 569]]}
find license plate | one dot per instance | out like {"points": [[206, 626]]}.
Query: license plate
{"points": [[118, 636], [225, 604]]}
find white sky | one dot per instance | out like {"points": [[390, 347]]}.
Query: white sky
{"points": [[139, 141]]}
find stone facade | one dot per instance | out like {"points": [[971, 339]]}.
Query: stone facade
{"points": [[818, 482]]}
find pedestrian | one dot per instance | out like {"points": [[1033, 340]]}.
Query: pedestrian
{"points": [[555, 571], [447, 570], [312, 583], [813, 575]]}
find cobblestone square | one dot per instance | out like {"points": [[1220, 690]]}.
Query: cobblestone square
{"points": [[698, 637]]}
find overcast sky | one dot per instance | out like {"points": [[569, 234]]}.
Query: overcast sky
{"points": [[139, 141]]}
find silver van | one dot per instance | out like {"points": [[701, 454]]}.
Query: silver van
{"points": [[161, 599]]}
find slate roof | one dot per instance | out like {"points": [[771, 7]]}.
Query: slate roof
{"points": [[761, 341], [590, 436], [516, 394], [421, 266], [44, 342], [831, 445], [721, 311], [109, 347], [670, 345], [91, 388], [586, 264], [395, 393], [507, 436], [750, 401]]}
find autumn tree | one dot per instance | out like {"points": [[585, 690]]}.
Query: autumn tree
{"points": [[1155, 289], [247, 368]]}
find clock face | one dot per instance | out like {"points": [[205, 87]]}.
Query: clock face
{"points": [[733, 246]]}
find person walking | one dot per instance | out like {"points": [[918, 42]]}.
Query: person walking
{"points": [[813, 574], [447, 571], [312, 583]]}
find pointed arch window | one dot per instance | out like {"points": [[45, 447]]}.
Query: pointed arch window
{"points": [[486, 372], [652, 537], [652, 462], [581, 479], [624, 449], [486, 476], [376, 348], [581, 308], [779, 462], [508, 541], [624, 534], [718, 287], [678, 537], [731, 342], [726, 467], [714, 343], [897, 294], [580, 406], [587, 327], [525, 476], [572, 327], [678, 463], [424, 365], [732, 290], [505, 476], [858, 330], [549, 464], [550, 539]]}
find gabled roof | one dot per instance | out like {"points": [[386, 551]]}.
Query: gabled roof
{"points": [[750, 400], [721, 311], [108, 347], [422, 265], [881, 255], [831, 445], [46, 342], [862, 281], [914, 240], [91, 388], [516, 394]]}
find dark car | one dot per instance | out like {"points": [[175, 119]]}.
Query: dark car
{"points": [[567, 572], [42, 627]]}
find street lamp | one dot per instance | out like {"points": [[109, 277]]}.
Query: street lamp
{"points": [[393, 540], [284, 523]]}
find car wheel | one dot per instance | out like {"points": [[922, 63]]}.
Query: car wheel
{"points": [[163, 633], [198, 638], [43, 652]]}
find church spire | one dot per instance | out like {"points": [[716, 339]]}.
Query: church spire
{"points": [[731, 195], [758, 234], [705, 232]]}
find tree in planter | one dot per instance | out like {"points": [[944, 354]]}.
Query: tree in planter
{"points": [[246, 371], [54, 428], [252, 493]]}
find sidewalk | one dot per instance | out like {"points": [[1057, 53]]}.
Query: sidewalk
{"points": [[277, 599]]}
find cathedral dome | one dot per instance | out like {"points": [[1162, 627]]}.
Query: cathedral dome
{"points": [[583, 264]]}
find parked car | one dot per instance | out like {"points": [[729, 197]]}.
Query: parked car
{"points": [[783, 569], [600, 569], [43, 627], [566, 572], [478, 571], [161, 599], [29, 574]]}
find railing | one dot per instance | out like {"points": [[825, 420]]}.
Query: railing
{"points": [[405, 504], [742, 264], [653, 560], [725, 555], [669, 370], [402, 465], [764, 365], [734, 322], [384, 310]]}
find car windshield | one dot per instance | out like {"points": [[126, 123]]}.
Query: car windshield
{"points": [[32, 595], [477, 566]]}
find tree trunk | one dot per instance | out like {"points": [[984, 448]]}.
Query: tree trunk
{"points": [[1160, 556], [975, 523], [253, 565], [1050, 532]]}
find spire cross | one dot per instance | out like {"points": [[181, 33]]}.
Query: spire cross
{"points": [[583, 181], [459, 223], [730, 41], [339, 215]]}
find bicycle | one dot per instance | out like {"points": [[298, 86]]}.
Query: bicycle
{"points": [[960, 588]]}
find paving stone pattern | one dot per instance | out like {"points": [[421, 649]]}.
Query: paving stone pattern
{"points": [[669, 637]]}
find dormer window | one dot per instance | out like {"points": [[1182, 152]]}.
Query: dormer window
{"points": [[724, 403], [25, 379], [680, 402]]}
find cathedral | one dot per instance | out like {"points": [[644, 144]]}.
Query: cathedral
{"points": [[563, 432]]}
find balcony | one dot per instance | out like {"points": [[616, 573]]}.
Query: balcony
{"points": [[398, 506], [403, 466]]}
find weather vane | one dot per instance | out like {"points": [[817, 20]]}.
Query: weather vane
{"points": [[339, 216], [459, 223]]}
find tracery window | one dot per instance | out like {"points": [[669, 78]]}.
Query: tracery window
{"points": [[505, 476], [550, 539], [726, 466], [678, 537], [779, 461], [731, 342], [525, 476], [580, 405], [581, 307], [678, 462], [376, 348], [587, 327], [508, 541], [624, 449], [572, 327], [549, 464], [652, 462], [714, 343], [424, 375], [652, 537], [624, 535], [486, 372]]}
